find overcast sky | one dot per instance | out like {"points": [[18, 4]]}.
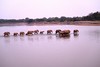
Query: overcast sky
{"points": [[20, 9]]}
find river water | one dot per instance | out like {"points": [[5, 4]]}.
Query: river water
{"points": [[45, 50]]}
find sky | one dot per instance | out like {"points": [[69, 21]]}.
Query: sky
{"points": [[20, 9]]}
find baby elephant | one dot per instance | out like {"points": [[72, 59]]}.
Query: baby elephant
{"points": [[49, 31], [41, 32], [6, 34], [15, 34], [36, 31], [57, 31], [22, 33], [75, 31]]}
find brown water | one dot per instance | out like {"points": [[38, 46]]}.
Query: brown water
{"points": [[50, 50]]}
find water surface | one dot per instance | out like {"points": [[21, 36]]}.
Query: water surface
{"points": [[82, 50]]}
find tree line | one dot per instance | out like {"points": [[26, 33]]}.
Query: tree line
{"points": [[90, 17]]}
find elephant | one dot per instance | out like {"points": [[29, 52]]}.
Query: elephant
{"points": [[57, 31], [36, 31], [64, 33], [41, 32], [29, 33], [6, 34], [49, 31], [22, 33], [75, 31], [15, 34]]}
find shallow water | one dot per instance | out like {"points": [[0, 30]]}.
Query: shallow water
{"points": [[82, 50]]}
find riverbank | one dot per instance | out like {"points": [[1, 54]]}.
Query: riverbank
{"points": [[80, 23]]}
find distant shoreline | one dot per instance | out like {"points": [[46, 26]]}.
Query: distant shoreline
{"points": [[79, 23]]}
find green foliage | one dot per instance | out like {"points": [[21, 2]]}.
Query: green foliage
{"points": [[28, 20], [62, 19], [90, 17], [93, 16]]}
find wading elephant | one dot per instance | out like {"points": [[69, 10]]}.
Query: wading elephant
{"points": [[22, 33], [15, 34], [29, 33], [64, 33], [57, 31], [49, 31], [36, 31], [41, 32], [6, 34], [75, 31]]}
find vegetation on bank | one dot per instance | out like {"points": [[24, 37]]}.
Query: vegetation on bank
{"points": [[91, 17]]}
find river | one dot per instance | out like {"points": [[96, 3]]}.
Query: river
{"points": [[45, 50]]}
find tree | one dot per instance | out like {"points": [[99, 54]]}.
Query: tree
{"points": [[92, 16], [62, 19], [28, 20]]}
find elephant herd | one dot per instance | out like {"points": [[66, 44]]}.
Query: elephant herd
{"points": [[61, 33]]}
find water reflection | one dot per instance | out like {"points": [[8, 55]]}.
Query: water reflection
{"points": [[49, 36], [15, 38], [65, 37], [42, 37], [77, 50], [36, 37], [7, 39], [75, 35], [94, 34], [30, 38], [22, 38]]}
